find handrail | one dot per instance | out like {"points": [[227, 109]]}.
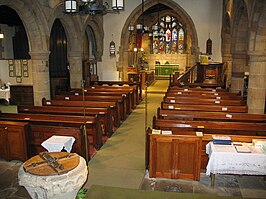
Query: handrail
{"points": [[196, 76], [186, 77]]}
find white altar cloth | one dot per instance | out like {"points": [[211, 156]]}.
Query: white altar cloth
{"points": [[57, 143], [224, 159]]}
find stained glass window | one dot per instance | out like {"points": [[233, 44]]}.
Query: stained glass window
{"points": [[170, 36]]}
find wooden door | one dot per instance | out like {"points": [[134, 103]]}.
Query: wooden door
{"points": [[187, 153], [3, 142], [161, 153], [17, 149], [174, 156]]}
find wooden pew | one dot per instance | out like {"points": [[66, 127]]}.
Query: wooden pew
{"points": [[206, 138], [204, 101], [188, 89], [211, 127], [121, 83], [104, 114], [133, 91], [130, 101], [200, 92], [124, 110], [202, 96], [92, 124], [209, 116], [39, 133], [212, 108], [114, 106]]}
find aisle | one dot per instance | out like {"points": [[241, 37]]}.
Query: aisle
{"points": [[121, 160]]}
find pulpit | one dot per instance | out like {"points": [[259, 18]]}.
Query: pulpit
{"points": [[210, 73]]}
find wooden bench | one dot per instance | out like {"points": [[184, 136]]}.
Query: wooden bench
{"points": [[104, 114], [204, 101], [114, 106], [213, 108], [209, 116], [211, 127], [200, 92], [91, 124], [121, 83], [123, 108], [133, 91], [190, 89], [206, 138], [130, 101], [39, 133], [202, 96]]}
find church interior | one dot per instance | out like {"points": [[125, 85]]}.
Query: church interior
{"points": [[132, 99]]}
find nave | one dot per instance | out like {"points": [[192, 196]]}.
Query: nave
{"points": [[121, 163]]}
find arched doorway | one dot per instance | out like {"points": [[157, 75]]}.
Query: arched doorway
{"points": [[90, 72], [58, 63]]}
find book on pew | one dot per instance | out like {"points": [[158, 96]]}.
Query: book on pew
{"points": [[225, 140]]}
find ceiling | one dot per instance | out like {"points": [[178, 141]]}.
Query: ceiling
{"points": [[9, 16]]}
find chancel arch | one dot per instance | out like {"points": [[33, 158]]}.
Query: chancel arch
{"points": [[150, 10]]}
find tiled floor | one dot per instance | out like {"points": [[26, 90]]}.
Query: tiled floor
{"points": [[225, 185]]}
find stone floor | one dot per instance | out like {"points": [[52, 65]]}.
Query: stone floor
{"points": [[225, 185], [9, 187]]}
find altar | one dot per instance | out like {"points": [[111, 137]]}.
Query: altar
{"points": [[165, 70]]}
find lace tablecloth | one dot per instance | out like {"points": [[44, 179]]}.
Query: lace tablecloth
{"points": [[224, 159]]}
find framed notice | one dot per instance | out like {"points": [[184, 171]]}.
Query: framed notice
{"points": [[11, 68], [18, 68], [25, 68], [18, 80], [11, 73]]}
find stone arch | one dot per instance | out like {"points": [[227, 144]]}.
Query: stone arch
{"points": [[132, 19], [31, 20], [93, 22], [239, 45]]}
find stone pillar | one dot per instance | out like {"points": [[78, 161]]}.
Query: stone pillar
{"points": [[257, 84], [238, 69], [40, 76], [228, 59], [75, 63]]}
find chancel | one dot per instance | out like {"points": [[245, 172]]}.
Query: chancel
{"points": [[132, 99]]}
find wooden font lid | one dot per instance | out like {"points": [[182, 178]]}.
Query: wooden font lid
{"points": [[51, 163]]}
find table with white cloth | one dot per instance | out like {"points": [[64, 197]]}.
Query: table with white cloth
{"points": [[5, 94], [224, 159], [58, 143]]}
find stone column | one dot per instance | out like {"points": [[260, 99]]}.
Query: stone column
{"points": [[228, 59], [75, 63], [238, 69], [40, 76], [257, 84]]}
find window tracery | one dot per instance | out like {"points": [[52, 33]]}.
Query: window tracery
{"points": [[170, 36]]}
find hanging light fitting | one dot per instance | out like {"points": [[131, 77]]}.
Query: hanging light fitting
{"points": [[92, 7]]}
